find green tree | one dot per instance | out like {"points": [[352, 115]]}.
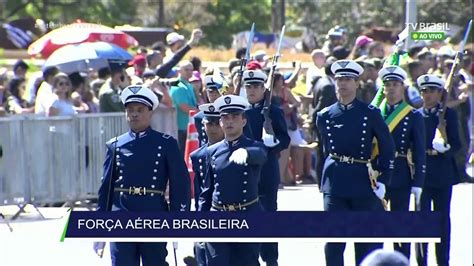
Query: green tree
{"points": [[107, 12], [358, 16], [453, 12], [233, 16], [355, 16]]}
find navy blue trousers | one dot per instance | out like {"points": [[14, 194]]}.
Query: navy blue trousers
{"points": [[399, 199], [129, 254], [232, 254], [268, 200], [200, 253], [441, 198], [334, 252]]}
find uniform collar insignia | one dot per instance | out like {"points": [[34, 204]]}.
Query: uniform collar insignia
{"points": [[346, 107], [234, 142], [137, 135], [256, 105], [431, 110]]}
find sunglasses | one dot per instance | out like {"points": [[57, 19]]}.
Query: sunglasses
{"points": [[62, 83]]}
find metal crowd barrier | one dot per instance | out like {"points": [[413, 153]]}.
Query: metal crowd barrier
{"points": [[59, 159]]}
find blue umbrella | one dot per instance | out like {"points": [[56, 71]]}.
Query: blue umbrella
{"points": [[87, 56]]}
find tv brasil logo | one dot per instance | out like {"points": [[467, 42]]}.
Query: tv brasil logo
{"points": [[428, 31]]}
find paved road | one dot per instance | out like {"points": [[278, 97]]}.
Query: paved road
{"points": [[36, 241]]}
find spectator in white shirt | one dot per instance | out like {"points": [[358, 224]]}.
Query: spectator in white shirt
{"points": [[45, 91], [316, 70]]}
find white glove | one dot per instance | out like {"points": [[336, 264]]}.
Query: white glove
{"points": [[440, 146], [380, 190], [99, 248], [239, 156], [417, 192], [269, 140], [373, 173]]}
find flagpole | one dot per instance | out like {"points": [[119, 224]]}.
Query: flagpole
{"points": [[410, 17]]}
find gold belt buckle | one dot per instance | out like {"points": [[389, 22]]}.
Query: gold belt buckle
{"points": [[346, 159], [136, 191]]}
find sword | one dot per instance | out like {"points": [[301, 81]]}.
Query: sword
{"points": [[175, 247], [99, 247], [249, 42], [441, 128], [275, 60], [418, 246], [466, 36], [373, 183], [267, 124], [243, 61], [411, 165], [458, 59]]}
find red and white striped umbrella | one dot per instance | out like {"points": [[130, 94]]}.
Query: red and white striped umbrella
{"points": [[79, 32]]}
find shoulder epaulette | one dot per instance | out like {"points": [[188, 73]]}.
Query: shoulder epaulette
{"points": [[372, 107], [324, 110]]}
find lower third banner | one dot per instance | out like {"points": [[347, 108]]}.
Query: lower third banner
{"points": [[284, 224]]}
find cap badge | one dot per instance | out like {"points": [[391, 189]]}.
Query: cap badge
{"points": [[227, 100], [391, 69], [135, 89], [343, 64]]}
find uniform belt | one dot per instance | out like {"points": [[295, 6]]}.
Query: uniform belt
{"points": [[140, 191], [431, 152], [233, 207], [400, 155], [348, 159]]}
